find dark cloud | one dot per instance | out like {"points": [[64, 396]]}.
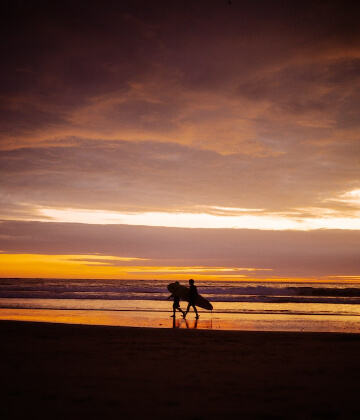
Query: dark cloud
{"points": [[59, 56], [27, 120]]}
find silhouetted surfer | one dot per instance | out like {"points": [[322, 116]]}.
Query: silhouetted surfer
{"points": [[192, 298], [176, 304]]}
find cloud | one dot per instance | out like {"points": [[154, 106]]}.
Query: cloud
{"points": [[287, 254], [173, 106], [147, 176], [196, 73]]}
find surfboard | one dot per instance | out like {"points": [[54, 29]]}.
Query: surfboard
{"points": [[183, 293]]}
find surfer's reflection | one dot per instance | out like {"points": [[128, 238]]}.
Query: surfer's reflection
{"points": [[194, 324], [184, 323]]}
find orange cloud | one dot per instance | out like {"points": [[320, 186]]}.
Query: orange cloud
{"points": [[107, 267]]}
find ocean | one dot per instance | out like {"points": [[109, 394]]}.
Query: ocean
{"points": [[269, 306]]}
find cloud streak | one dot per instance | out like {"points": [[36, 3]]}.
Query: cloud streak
{"points": [[265, 254]]}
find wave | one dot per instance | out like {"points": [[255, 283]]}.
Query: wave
{"points": [[156, 290], [88, 296], [138, 306]]}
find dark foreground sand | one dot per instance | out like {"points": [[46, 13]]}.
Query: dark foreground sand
{"points": [[56, 371]]}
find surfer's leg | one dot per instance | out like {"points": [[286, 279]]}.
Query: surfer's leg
{"points": [[196, 312]]}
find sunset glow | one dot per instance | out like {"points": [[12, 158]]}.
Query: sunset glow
{"points": [[163, 139], [107, 267]]}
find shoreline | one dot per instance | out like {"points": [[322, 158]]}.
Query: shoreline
{"points": [[83, 371], [207, 321]]}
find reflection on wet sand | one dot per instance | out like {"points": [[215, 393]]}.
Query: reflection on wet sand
{"points": [[192, 324], [209, 321], [115, 318]]}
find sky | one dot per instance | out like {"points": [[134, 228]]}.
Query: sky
{"points": [[181, 138]]}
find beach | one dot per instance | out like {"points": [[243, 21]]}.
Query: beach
{"points": [[61, 371]]}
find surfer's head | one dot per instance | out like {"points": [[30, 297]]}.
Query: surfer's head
{"points": [[191, 281], [177, 282]]}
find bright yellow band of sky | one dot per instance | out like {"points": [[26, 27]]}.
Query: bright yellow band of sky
{"points": [[102, 267]]}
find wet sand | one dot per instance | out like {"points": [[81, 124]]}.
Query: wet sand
{"points": [[62, 371]]}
